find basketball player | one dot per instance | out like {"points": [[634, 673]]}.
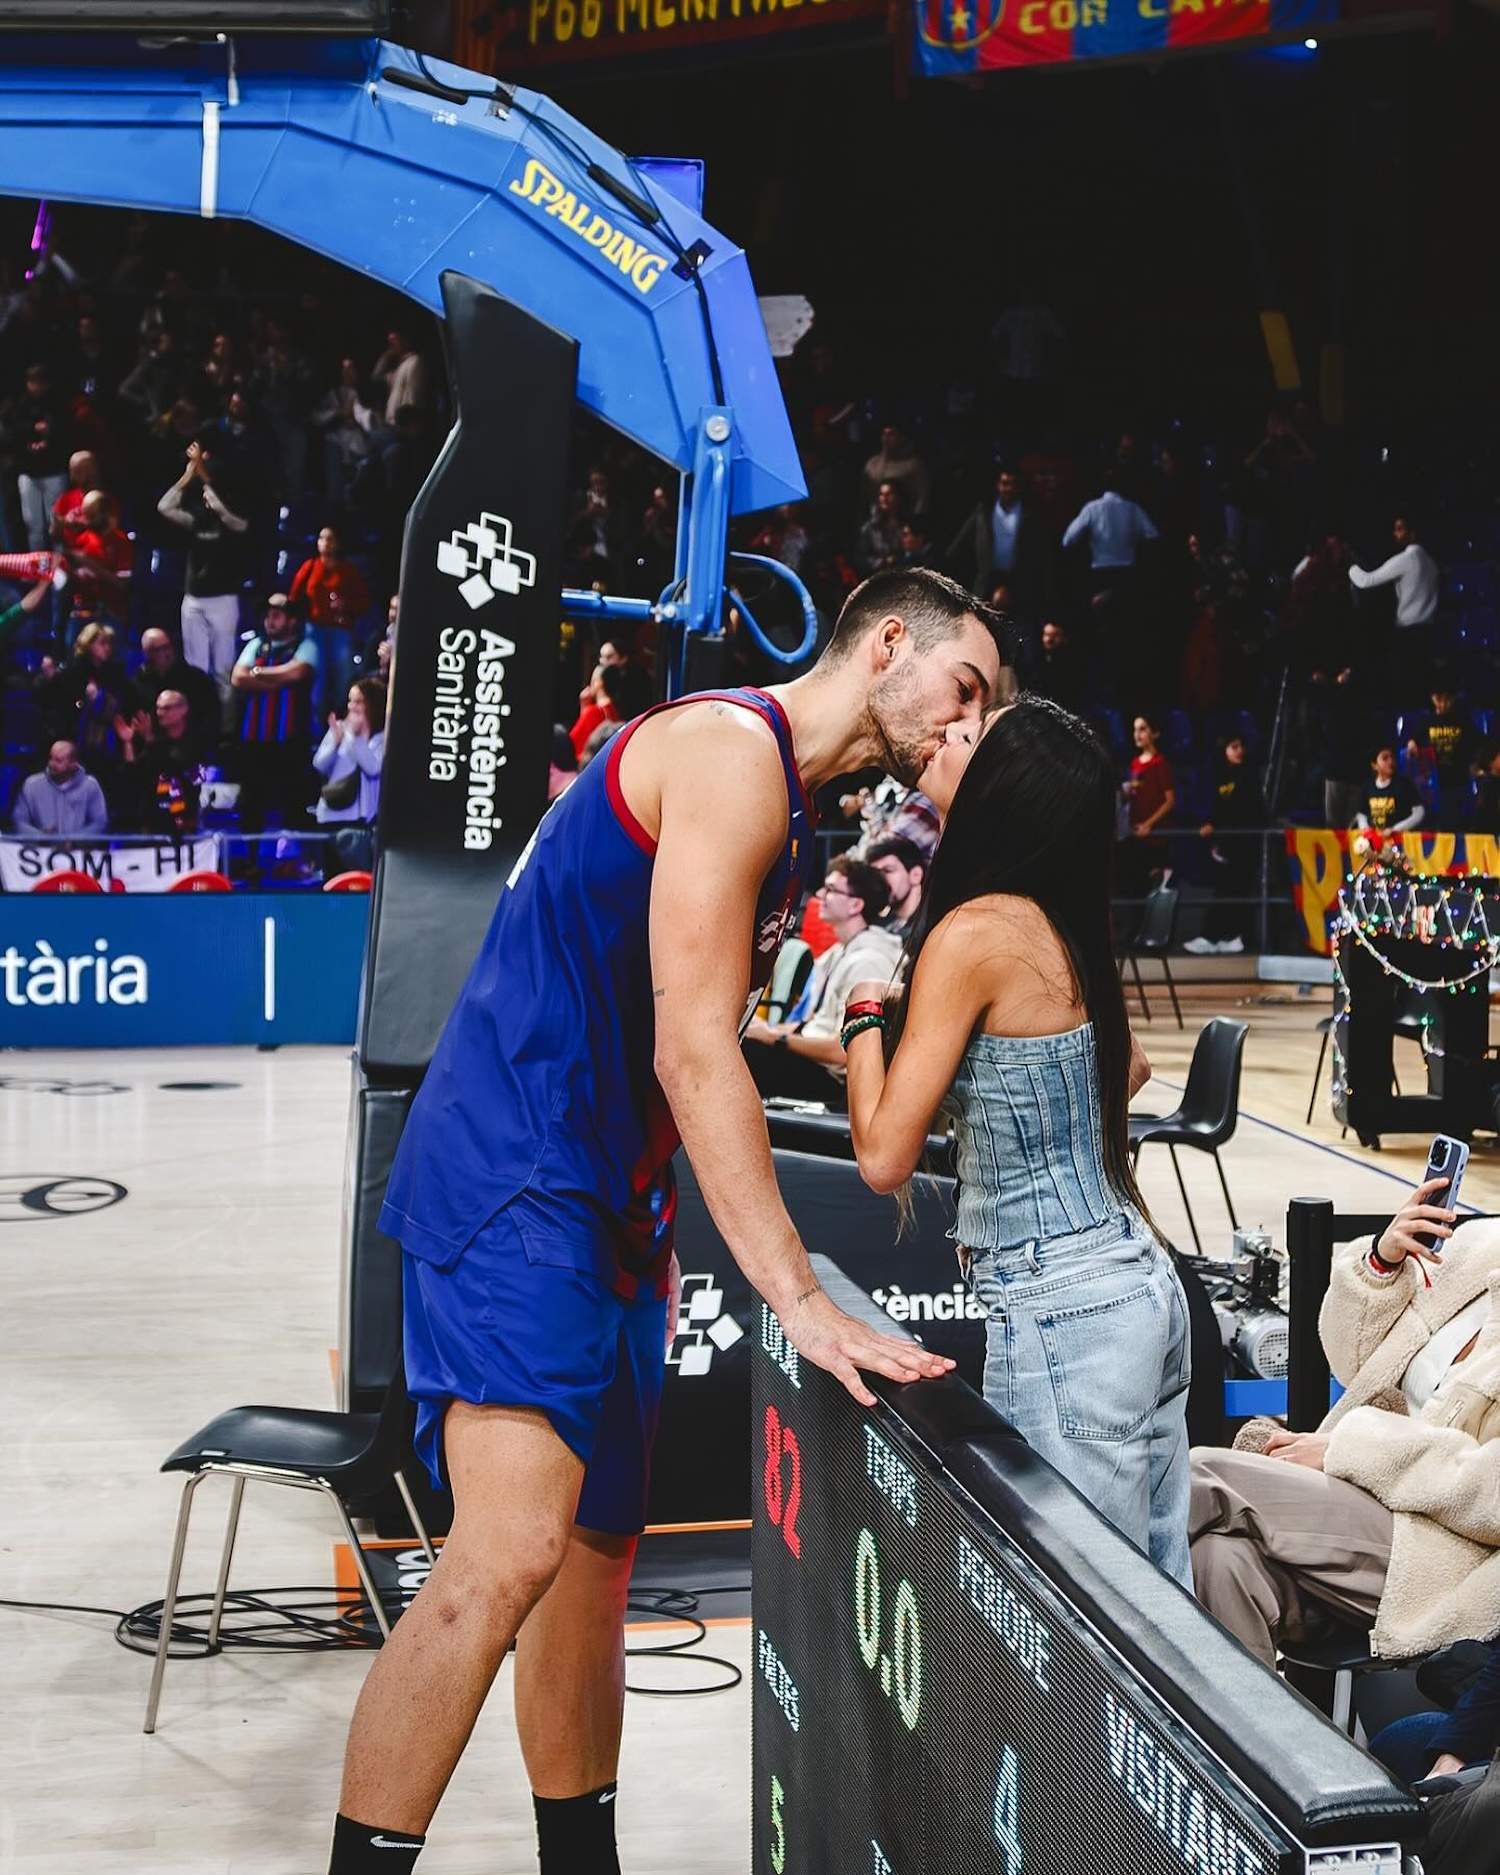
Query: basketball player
{"points": [[533, 1198]]}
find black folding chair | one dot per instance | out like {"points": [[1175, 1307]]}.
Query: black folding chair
{"points": [[1209, 1111], [346, 1456], [1153, 938]]}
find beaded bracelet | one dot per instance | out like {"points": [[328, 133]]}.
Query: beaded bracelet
{"points": [[857, 1027]]}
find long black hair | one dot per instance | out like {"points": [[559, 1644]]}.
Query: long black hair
{"points": [[1034, 818]]}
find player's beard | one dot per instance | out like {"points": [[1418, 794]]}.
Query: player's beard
{"points": [[905, 744]]}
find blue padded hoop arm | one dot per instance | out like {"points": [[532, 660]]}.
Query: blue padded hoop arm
{"points": [[401, 185]]}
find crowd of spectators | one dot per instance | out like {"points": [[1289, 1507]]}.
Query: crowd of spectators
{"points": [[220, 459], [1261, 626]]}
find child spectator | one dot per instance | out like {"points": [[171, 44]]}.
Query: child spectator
{"points": [[1239, 811], [1389, 803], [332, 591], [1443, 743], [1151, 794]]}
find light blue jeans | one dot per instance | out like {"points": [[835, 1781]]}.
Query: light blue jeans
{"points": [[335, 670], [1089, 1358]]}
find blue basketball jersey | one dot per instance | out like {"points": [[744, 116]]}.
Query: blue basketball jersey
{"points": [[543, 1081]]}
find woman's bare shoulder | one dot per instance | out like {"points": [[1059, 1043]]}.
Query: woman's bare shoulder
{"points": [[1007, 949], [997, 917]]}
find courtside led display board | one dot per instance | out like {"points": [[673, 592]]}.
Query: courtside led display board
{"points": [[930, 1700]]}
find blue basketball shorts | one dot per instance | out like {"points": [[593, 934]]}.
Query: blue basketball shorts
{"points": [[497, 1328]]}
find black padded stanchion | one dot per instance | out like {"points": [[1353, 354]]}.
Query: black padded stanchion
{"points": [[370, 1292], [465, 778], [1309, 1243]]}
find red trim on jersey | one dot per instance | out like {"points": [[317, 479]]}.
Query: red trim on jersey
{"points": [[615, 748], [807, 806]]}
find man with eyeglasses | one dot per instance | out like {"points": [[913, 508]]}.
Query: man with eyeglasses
{"points": [[801, 1057]]}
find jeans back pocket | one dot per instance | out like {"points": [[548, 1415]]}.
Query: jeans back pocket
{"points": [[1105, 1353]]}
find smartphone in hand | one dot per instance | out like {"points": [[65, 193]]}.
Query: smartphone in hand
{"points": [[1447, 1159]]}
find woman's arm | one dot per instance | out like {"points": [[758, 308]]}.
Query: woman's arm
{"points": [[327, 752], [891, 1111]]}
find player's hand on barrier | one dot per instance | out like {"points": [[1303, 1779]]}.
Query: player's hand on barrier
{"points": [[1401, 1239], [822, 1333]]}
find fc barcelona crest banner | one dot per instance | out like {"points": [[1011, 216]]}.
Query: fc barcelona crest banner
{"points": [[958, 37]]}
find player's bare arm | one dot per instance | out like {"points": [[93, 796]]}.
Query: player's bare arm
{"points": [[698, 775]]}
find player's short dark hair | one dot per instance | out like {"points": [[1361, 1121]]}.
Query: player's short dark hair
{"points": [[930, 605], [896, 846], [865, 884]]}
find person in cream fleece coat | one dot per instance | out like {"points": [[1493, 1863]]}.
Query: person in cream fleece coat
{"points": [[1389, 1514]]}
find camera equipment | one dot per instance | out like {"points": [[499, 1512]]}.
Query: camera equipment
{"points": [[1248, 1294]]}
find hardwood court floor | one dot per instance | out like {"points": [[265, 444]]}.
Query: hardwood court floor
{"points": [[214, 1281]]}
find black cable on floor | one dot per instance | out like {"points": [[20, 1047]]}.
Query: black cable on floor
{"points": [[325, 1623], [681, 1605]]}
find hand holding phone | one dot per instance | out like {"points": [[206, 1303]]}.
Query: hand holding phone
{"points": [[1418, 1221]]}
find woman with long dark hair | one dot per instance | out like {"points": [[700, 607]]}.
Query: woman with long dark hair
{"points": [[1013, 1022]]}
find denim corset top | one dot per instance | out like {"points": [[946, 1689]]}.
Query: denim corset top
{"points": [[1029, 1140]]}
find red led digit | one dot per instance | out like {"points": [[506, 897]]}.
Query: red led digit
{"points": [[773, 1465], [793, 1451], [783, 1498]]}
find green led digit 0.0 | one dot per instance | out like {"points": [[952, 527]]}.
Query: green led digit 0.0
{"points": [[901, 1669], [867, 1598], [908, 1650], [778, 1826]]}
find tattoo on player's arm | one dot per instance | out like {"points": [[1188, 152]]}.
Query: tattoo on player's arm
{"points": [[807, 1295], [656, 995]]}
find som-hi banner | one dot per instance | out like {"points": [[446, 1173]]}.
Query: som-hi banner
{"points": [[1318, 858], [958, 37]]}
